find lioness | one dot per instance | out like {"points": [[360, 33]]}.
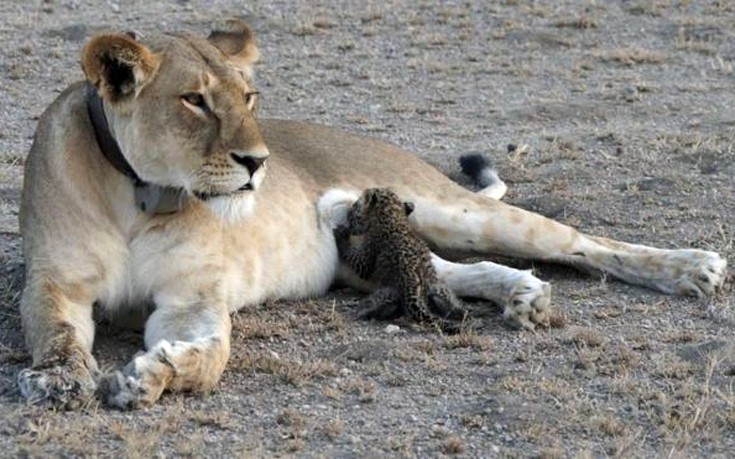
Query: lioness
{"points": [[153, 183]]}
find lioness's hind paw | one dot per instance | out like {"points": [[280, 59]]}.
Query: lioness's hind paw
{"points": [[529, 304], [58, 386], [702, 273]]}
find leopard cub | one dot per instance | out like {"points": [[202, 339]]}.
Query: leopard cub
{"points": [[378, 244]]}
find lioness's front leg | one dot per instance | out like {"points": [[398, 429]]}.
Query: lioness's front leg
{"points": [[59, 332], [188, 345]]}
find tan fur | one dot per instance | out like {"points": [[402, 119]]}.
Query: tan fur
{"points": [[86, 242]]}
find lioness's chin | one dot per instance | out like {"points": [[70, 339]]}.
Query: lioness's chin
{"points": [[232, 208]]}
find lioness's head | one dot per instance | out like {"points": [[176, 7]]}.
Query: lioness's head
{"points": [[181, 107]]}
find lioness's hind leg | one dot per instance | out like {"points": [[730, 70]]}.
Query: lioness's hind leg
{"points": [[476, 224], [59, 332], [525, 299], [187, 349]]}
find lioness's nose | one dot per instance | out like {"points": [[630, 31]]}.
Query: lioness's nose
{"points": [[244, 158]]}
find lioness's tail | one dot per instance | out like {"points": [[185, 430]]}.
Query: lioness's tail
{"points": [[481, 170]]}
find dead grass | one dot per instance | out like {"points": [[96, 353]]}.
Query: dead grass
{"points": [[453, 445], [634, 56], [217, 419], [291, 418], [365, 390], [290, 371], [582, 22], [138, 442], [332, 429], [587, 337], [257, 327], [468, 339]]}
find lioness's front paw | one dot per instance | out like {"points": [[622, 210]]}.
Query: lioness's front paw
{"points": [[61, 386], [529, 303], [700, 273], [130, 388]]}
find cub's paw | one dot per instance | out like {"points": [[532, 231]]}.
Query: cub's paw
{"points": [[63, 386], [697, 272], [529, 303]]}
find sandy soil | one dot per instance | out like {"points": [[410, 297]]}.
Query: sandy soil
{"points": [[621, 114]]}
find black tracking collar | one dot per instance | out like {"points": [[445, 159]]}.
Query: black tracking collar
{"points": [[149, 198]]}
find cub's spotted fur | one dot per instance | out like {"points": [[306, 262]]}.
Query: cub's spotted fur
{"points": [[379, 245]]}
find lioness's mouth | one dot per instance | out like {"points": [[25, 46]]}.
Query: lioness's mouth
{"points": [[204, 196]]}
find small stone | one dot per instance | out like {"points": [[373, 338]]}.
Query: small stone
{"points": [[495, 449], [392, 329]]}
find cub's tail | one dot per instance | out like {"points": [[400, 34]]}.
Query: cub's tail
{"points": [[481, 170]]}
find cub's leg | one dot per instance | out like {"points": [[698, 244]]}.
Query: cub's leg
{"points": [[383, 304], [59, 331], [479, 224], [443, 303], [188, 345]]}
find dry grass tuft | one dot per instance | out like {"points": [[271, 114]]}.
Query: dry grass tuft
{"points": [[582, 22], [468, 339], [365, 390], [557, 319], [587, 337], [634, 56], [609, 425], [290, 371], [138, 442], [453, 445], [254, 327], [472, 421], [291, 418], [333, 429], [218, 419]]}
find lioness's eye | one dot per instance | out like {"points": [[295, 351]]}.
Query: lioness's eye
{"points": [[250, 98], [196, 100]]}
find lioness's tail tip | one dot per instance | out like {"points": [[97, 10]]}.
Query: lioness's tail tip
{"points": [[479, 168]]}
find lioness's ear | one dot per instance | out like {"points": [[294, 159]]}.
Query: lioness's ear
{"points": [[237, 41], [117, 65]]}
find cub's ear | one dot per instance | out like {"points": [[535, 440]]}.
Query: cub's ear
{"points": [[408, 207], [371, 197], [117, 65], [234, 38]]}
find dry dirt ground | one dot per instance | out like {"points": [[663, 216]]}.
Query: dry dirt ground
{"points": [[621, 117]]}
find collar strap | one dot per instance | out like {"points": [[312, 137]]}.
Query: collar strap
{"points": [[149, 198]]}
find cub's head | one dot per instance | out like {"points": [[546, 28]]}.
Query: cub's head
{"points": [[182, 108], [378, 205]]}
